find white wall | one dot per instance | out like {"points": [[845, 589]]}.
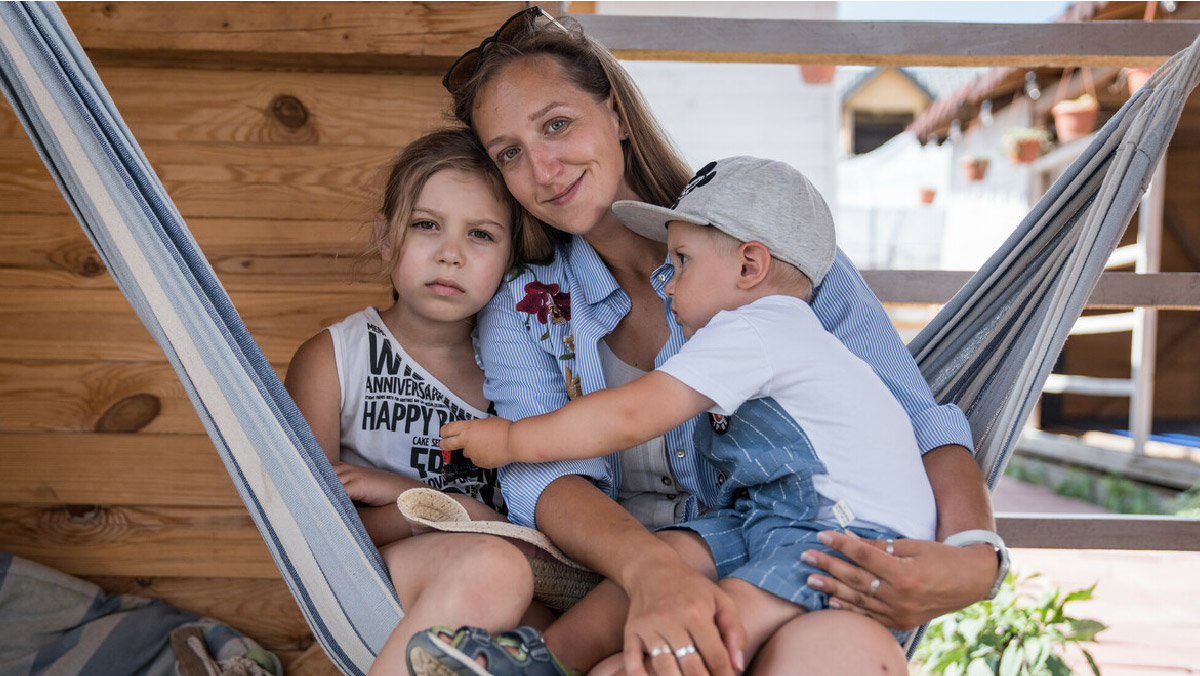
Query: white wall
{"points": [[715, 110]]}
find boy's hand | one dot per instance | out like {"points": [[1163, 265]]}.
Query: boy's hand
{"points": [[484, 441], [371, 486]]}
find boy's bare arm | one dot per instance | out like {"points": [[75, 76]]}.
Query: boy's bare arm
{"points": [[591, 426]]}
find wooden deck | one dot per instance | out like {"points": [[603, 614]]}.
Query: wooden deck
{"points": [[1147, 598]]}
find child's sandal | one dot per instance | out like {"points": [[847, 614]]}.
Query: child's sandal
{"points": [[520, 652]]}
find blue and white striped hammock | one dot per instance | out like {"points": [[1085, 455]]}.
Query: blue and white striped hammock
{"points": [[989, 350]]}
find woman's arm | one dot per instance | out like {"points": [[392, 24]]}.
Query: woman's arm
{"points": [[523, 380], [670, 603], [933, 578]]}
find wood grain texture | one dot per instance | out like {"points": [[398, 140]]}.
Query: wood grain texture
{"points": [[72, 396], [100, 469], [136, 541], [52, 251], [392, 35], [99, 324], [221, 106]]}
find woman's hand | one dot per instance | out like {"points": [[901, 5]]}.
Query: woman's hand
{"points": [[918, 581], [673, 606]]}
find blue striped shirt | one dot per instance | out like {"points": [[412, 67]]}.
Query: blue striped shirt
{"points": [[539, 336]]}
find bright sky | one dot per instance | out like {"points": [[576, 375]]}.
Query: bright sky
{"points": [[969, 12]]}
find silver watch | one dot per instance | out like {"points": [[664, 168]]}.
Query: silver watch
{"points": [[971, 537]]}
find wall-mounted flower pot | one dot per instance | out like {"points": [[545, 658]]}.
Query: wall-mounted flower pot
{"points": [[818, 74], [1136, 77], [927, 195], [1026, 151], [975, 168], [1075, 118]]}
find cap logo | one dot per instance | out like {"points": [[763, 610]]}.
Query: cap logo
{"points": [[702, 177]]}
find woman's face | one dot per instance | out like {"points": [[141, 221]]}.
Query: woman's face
{"points": [[558, 148]]}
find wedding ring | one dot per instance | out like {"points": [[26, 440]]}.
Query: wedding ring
{"points": [[686, 650], [874, 587], [890, 548], [660, 650]]}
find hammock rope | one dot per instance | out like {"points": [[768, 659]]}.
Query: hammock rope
{"points": [[989, 350]]}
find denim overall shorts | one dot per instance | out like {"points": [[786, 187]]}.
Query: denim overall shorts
{"points": [[767, 506]]}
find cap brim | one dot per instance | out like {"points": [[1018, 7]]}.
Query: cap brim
{"points": [[650, 220]]}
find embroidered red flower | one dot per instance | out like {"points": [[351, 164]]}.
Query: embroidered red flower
{"points": [[546, 302]]}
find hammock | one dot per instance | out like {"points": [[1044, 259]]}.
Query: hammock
{"points": [[989, 350]]}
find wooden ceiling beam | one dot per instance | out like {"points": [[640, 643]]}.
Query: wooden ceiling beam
{"points": [[891, 43], [374, 36]]}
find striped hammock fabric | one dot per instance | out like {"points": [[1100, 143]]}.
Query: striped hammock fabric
{"points": [[989, 350]]}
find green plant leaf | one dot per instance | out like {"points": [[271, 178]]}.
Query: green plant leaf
{"points": [[970, 627], [1085, 630], [1057, 667], [1092, 663], [1080, 595], [1012, 660], [980, 667]]}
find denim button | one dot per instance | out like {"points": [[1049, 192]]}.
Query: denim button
{"points": [[720, 478], [679, 453]]}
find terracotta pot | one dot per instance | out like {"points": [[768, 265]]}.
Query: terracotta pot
{"points": [[818, 74], [1026, 151], [975, 169], [1136, 77], [1074, 121], [927, 195]]}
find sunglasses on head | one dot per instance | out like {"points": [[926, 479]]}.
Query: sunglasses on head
{"points": [[468, 64]]}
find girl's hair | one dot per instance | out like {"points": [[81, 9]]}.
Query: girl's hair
{"points": [[653, 168], [454, 148]]}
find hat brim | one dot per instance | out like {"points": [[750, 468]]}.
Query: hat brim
{"points": [[558, 581], [650, 220]]}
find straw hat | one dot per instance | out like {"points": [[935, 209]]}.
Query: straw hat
{"points": [[558, 581]]}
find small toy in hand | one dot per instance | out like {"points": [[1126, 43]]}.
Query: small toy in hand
{"points": [[456, 466]]}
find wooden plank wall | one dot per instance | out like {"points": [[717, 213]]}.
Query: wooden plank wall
{"points": [[269, 124]]}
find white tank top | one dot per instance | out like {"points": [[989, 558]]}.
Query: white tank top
{"points": [[648, 490], [393, 409]]}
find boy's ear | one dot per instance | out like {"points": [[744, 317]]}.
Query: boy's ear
{"points": [[755, 260], [381, 239]]}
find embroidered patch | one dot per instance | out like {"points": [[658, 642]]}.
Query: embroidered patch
{"points": [[546, 302], [720, 423]]}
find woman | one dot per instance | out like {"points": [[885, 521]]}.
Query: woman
{"points": [[571, 135]]}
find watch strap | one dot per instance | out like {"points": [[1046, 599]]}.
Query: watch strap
{"points": [[972, 537]]}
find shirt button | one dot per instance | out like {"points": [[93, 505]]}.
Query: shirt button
{"points": [[667, 481], [679, 453], [661, 277], [720, 478]]}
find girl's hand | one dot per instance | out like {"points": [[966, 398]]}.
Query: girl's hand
{"points": [[673, 607], [484, 441], [919, 581], [372, 486]]}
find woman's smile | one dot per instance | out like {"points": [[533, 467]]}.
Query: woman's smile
{"points": [[567, 193]]}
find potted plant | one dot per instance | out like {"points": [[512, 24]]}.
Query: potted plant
{"points": [[1075, 118], [1025, 144], [927, 195], [975, 167]]}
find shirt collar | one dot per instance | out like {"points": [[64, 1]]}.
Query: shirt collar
{"points": [[590, 272]]}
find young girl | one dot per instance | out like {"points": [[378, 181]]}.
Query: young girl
{"points": [[376, 387]]}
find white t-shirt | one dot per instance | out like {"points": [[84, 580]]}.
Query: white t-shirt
{"points": [[775, 347], [393, 409]]}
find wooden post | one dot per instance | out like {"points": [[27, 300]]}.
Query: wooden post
{"points": [[1145, 325]]}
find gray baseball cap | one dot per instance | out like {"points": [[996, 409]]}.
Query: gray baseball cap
{"points": [[749, 199]]}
